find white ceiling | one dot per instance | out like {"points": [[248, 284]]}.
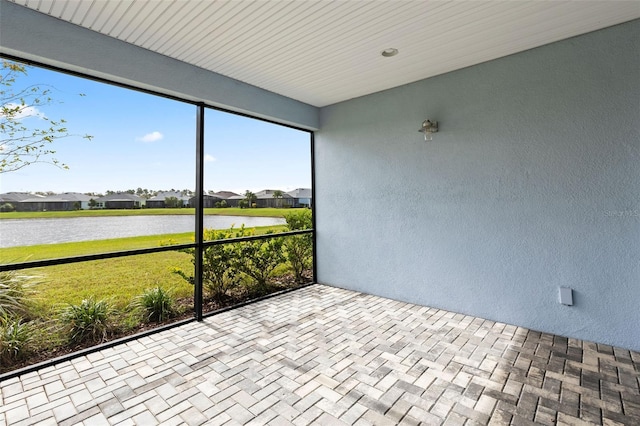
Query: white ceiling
{"points": [[322, 52]]}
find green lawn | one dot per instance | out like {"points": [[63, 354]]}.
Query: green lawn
{"points": [[53, 251], [229, 211], [119, 279]]}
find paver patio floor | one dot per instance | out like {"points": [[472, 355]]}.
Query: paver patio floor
{"points": [[322, 355]]}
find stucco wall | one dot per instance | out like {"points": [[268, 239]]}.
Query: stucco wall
{"points": [[532, 183]]}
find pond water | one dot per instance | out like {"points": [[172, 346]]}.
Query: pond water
{"points": [[26, 232]]}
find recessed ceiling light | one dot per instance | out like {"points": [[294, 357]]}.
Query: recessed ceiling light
{"points": [[387, 53]]}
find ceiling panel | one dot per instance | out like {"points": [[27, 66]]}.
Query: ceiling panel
{"points": [[321, 51]]}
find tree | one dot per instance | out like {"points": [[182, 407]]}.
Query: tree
{"points": [[93, 203], [20, 144], [172, 202], [277, 194], [250, 197]]}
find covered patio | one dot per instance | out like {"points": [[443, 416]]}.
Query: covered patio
{"points": [[443, 259], [324, 355]]}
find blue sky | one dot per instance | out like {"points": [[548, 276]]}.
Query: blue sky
{"points": [[140, 140]]}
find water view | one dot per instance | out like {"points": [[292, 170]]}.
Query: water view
{"points": [[23, 232]]}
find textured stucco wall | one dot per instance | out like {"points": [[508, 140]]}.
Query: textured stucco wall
{"points": [[34, 36], [532, 183]]}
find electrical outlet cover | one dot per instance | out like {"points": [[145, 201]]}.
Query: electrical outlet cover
{"points": [[566, 296]]}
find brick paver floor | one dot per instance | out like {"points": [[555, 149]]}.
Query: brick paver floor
{"points": [[327, 356]]}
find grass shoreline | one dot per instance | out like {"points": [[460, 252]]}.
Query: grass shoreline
{"points": [[228, 211], [79, 248]]}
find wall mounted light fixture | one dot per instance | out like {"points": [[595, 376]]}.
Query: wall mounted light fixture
{"points": [[429, 128]]}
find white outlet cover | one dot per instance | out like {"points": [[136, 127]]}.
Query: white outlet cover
{"points": [[566, 296]]}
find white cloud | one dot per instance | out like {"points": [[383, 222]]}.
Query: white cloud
{"points": [[209, 158], [24, 111], [151, 137]]}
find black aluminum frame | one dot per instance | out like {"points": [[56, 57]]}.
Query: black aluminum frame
{"points": [[199, 244]]}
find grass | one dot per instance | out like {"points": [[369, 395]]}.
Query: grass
{"points": [[53, 251], [119, 279], [229, 211]]}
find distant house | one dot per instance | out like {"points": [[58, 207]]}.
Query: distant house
{"points": [[58, 202], [14, 198], [120, 200], [159, 200], [208, 201], [225, 194], [301, 197], [265, 198], [234, 200], [230, 198]]}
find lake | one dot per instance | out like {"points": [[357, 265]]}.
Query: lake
{"points": [[23, 232]]}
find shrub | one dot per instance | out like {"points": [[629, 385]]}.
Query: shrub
{"points": [[299, 220], [257, 259], [223, 204], [299, 251], [88, 321], [299, 248], [219, 269], [225, 266], [15, 337], [7, 207], [157, 303]]}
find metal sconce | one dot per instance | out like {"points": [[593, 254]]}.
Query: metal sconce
{"points": [[429, 128]]}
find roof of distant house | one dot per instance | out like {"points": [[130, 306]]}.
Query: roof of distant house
{"points": [[268, 193], [17, 196], [119, 196], [161, 196], [300, 193], [57, 198], [207, 196], [225, 194]]}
